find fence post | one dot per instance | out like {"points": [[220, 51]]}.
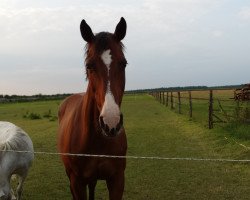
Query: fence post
{"points": [[210, 110], [163, 98], [171, 99], [179, 102], [167, 100], [190, 105]]}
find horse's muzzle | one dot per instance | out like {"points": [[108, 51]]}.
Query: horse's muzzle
{"points": [[111, 132], [4, 196]]}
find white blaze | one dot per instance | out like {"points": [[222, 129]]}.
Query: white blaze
{"points": [[106, 58], [110, 110]]}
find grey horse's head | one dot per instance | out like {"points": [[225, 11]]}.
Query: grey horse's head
{"points": [[5, 193]]}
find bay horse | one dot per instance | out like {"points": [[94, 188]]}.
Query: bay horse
{"points": [[13, 138], [91, 122]]}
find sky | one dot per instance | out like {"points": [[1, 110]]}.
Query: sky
{"points": [[169, 43]]}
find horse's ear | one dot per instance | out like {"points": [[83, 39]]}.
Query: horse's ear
{"points": [[120, 30], [86, 32]]}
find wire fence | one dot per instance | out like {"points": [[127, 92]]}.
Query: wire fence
{"points": [[133, 157], [212, 106]]}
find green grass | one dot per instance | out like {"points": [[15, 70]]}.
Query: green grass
{"points": [[152, 130], [238, 125], [238, 130]]}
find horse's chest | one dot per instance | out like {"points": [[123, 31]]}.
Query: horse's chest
{"points": [[102, 168]]}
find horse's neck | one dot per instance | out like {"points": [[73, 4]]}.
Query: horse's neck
{"points": [[91, 113], [82, 123]]}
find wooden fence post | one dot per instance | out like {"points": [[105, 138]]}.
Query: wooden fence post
{"points": [[210, 110], [167, 100], [179, 102], [190, 105], [171, 99], [163, 98]]}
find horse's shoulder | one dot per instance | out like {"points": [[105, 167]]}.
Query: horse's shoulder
{"points": [[70, 103]]}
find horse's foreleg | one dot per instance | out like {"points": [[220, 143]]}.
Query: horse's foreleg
{"points": [[19, 189], [116, 186], [12, 195], [92, 189], [78, 187]]}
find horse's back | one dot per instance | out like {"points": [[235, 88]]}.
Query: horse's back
{"points": [[6, 129], [13, 138], [69, 105]]}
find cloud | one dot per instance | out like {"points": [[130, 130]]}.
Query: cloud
{"points": [[159, 22], [244, 13], [163, 37], [217, 33]]}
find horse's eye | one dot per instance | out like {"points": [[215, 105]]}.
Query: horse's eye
{"points": [[90, 66], [123, 63]]}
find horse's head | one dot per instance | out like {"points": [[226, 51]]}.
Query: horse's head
{"points": [[4, 190], [105, 69]]}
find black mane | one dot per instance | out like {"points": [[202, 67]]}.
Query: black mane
{"points": [[102, 41]]}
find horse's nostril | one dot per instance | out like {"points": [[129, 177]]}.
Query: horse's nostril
{"points": [[117, 128], [106, 128], [110, 130], [119, 125]]}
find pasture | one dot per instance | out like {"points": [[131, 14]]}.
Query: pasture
{"points": [[152, 130]]}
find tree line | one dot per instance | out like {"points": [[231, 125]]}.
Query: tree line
{"points": [[39, 97], [27, 98], [185, 88]]}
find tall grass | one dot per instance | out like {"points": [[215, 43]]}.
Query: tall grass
{"points": [[238, 130]]}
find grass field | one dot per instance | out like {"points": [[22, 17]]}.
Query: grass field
{"points": [[152, 130]]}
